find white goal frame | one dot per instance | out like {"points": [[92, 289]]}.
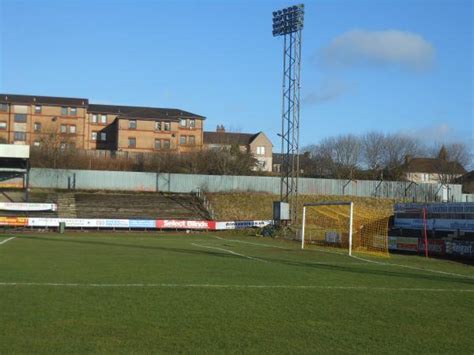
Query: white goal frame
{"points": [[335, 203]]}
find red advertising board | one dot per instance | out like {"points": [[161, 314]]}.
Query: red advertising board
{"points": [[183, 224], [435, 247], [407, 244]]}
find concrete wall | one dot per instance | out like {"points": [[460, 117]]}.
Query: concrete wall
{"points": [[136, 181]]}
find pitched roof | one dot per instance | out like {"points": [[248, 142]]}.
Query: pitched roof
{"points": [[150, 113], [433, 165], [143, 112], [46, 100], [468, 177], [229, 138]]}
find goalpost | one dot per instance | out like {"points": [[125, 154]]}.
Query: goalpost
{"points": [[339, 224], [336, 203]]}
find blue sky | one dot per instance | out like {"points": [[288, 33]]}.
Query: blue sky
{"points": [[393, 66]]}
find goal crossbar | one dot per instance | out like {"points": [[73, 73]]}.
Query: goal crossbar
{"points": [[332, 203]]}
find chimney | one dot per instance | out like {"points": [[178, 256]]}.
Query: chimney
{"points": [[408, 159], [220, 129]]}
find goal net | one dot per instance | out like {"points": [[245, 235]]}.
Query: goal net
{"points": [[345, 225]]}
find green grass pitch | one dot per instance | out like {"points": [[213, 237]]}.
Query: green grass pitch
{"points": [[222, 293]]}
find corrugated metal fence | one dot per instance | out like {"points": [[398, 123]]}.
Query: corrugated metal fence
{"points": [[138, 181]]}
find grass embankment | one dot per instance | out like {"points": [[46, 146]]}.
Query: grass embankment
{"points": [[255, 206]]}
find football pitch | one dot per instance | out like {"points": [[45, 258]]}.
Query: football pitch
{"points": [[221, 293]]}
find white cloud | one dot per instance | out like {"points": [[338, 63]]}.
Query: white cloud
{"points": [[390, 47], [441, 132], [330, 90]]}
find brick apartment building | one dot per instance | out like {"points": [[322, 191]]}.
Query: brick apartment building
{"points": [[26, 119]]}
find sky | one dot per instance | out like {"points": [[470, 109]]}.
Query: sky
{"points": [[401, 66]]}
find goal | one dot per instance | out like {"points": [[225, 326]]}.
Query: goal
{"points": [[341, 224]]}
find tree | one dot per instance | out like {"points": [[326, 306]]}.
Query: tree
{"points": [[456, 152], [373, 146], [337, 156], [448, 163], [55, 150]]}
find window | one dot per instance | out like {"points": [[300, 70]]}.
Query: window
{"points": [[3, 125], [166, 144], [157, 143], [182, 140], [38, 109], [167, 126], [192, 123], [20, 136], [94, 135], [20, 117], [103, 119], [94, 118], [37, 126], [63, 128], [68, 111], [72, 129], [103, 136], [261, 150], [20, 109], [132, 124], [182, 122], [3, 107], [191, 140], [132, 142], [157, 125]]}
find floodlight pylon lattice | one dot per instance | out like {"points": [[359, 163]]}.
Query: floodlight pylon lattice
{"points": [[288, 23]]}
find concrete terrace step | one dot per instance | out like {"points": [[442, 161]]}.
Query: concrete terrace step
{"points": [[67, 205]]}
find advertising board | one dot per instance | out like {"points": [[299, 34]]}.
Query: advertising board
{"points": [[332, 237], [181, 224], [462, 248], [70, 222], [407, 244], [23, 206], [142, 223], [225, 225], [392, 243], [435, 246], [13, 221]]}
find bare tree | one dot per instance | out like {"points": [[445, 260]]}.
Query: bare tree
{"points": [[55, 149], [455, 152], [397, 147], [340, 156], [373, 146]]}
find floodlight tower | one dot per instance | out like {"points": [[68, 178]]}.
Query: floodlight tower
{"points": [[288, 23]]}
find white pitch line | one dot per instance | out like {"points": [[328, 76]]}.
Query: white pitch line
{"points": [[296, 287], [414, 268], [358, 258], [229, 251], [257, 244], [6, 240]]}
